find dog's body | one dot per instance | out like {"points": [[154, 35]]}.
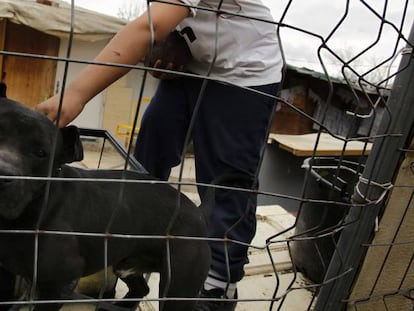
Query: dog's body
{"points": [[91, 205]]}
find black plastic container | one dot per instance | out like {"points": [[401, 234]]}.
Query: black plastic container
{"points": [[331, 183]]}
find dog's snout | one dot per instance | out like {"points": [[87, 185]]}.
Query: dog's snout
{"points": [[6, 179], [8, 167], [8, 174]]}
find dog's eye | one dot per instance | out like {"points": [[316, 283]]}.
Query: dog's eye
{"points": [[40, 153]]}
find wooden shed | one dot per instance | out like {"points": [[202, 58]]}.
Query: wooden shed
{"points": [[31, 31], [308, 91]]}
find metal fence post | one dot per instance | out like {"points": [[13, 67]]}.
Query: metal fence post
{"points": [[379, 172]]}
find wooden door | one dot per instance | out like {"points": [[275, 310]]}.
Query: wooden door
{"points": [[29, 80], [2, 41]]}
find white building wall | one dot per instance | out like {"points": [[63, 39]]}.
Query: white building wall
{"points": [[91, 117], [94, 113]]}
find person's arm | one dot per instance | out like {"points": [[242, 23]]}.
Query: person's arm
{"points": [[128, 46]]}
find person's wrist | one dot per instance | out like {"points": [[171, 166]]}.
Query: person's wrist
{"points": [[76, 95]]}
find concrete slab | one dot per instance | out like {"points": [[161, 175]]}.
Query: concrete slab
{"points": [[256, 292]]}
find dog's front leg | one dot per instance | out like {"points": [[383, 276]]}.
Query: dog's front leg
{"points": [[7, 282], [52, 293], [137, 288]]}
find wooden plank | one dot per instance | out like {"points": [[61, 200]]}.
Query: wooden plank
{"points": [[2, 42], [29, 80], [304, 145], [388, 267], [288, 121]]}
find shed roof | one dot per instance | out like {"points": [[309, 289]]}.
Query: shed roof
{"points": [[56, 20], [335, 80]]}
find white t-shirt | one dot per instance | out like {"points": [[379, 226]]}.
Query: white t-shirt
{"points": [[248, 51]]}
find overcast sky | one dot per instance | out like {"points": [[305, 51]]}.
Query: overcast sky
{"points": [[358, 31]]}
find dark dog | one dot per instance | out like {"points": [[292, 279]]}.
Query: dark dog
{"points": [[89, 206]]}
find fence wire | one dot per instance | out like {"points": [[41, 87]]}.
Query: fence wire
{"points": [[347, 234]]}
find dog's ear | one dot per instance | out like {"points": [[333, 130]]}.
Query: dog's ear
{"points": [[72, 145], [3, 90]]}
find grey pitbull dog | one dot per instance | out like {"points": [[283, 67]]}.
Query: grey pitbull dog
{"points": [[89, 206]]}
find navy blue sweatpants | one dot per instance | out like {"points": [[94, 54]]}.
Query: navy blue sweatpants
{"points": [[228, 136]]}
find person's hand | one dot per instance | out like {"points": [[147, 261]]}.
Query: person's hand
{"points": [[172, 54], [160, 64], [71, 108]]}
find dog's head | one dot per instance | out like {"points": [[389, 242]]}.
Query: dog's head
{"points": [[30, 146]]}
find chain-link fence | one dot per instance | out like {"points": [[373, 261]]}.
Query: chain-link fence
{"points": [[342, 135]]}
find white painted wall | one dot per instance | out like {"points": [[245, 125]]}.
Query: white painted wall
{"points": [[91, 117], [93, 114]]}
